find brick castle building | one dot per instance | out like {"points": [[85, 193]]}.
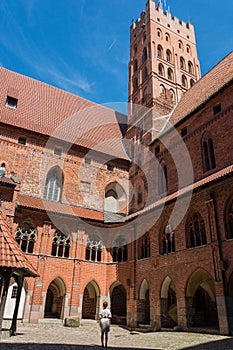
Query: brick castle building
{"points": [[137, 212]]}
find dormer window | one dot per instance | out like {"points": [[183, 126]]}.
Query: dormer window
{"points": [[11, 102]]}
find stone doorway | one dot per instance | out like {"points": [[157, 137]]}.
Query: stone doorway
{"points": [[90, 307], [118, 303]]}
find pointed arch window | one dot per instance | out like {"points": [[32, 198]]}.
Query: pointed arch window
{"points": [[168, 240], [135, 84], [190, 67], [170, 74], [144, 55], [195, 231], [61, 244], [25, 236], [168, 56], [159, 51], [94, 248], [162, 178], [53, 185], [161, 69], [184, 81], [229, 219], [182, 63], [135, 66], [192, 82], [144, 247], [180, 44], [208, 156], [144, 74], [120, 250]]}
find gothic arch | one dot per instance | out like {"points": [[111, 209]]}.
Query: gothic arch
{"points": [[90, 304], [118, 297], [115, 199], [54, 304], [168, 303], [201, 299]]}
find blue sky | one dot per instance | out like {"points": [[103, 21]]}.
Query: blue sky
{"points": [[82, 46]]}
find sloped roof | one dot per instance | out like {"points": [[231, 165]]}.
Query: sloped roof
{"points": [[58, 208], [10, 253], [47, 110], [206, 87]]}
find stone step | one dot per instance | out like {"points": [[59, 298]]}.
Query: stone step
{"points": [[51, 321]]}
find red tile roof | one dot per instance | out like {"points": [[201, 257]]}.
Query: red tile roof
{"points": [[47, 110], [206, 87], [58, 208], [211, 178], [10, 253]]}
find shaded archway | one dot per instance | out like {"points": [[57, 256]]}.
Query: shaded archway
{"points": [[168, 303], [118, 303], [144, 303], [201, 300], [90, 306], [54, 303], [115, 198]]}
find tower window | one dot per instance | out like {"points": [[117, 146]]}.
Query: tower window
{"points": [[170, 74], [184, 81], [208, 152], [182, 63], [168, 56], [161, 69], [144, 55], [11, 102], [159, 51]]}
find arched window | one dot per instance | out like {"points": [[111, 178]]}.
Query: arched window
{"points": [[229, 219], [135, 84], [182, 63], [53, 185], [139, 195], [190, 67], [162, 178], [119, 249], [170, 74], [172, 94], [195, 231], [167, 37], [168, 240], [184, 81], [208, 156], [144, 247], [168, 56], [159, 33], [180, 44], [162, 90], [135, 66], [25, 236], [160, 51], [94, 248], [192, 82], [61, 244], [161, 69], [115, 198], [144, 55], [144, 74], [188, 49]]}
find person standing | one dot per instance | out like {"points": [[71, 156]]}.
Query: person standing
{"points": [[105, 317]]}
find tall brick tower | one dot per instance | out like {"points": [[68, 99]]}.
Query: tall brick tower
{"points": [[163, 59]]}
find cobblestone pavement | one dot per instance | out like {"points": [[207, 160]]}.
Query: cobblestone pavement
{"points": [[87, 337]]}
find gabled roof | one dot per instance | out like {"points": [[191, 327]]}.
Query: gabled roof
{"points": [[11, 256], [47, 110], [207, 86]]}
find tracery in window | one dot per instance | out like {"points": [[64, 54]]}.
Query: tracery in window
{"points": [[195, 231], [25, 236], [168, 240], [208, 156], [53, 185], [94, 248], [61, 244], [120, 249], [144, 247]]}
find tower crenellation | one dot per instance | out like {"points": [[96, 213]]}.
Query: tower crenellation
{"points": [[163, 59]]}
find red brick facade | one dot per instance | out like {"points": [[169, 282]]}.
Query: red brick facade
{"points": [[171, 273]]}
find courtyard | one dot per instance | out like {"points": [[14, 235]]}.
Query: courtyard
{"points": [[87, 336]]}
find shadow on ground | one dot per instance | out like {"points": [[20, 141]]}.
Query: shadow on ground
{"points": [[47, 346], [226, 344]]}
